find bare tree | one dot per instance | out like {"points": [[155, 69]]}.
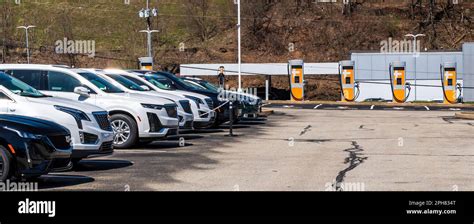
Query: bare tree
{"points": [[6, 29], [203, 19]]}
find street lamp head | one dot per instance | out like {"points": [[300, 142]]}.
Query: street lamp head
{"points": [[25, 27]]}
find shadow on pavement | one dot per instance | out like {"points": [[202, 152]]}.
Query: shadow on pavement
{"points": [[60, 180], [98, 165]]}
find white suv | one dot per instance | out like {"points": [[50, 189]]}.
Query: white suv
{"points": [[133, 117], [89, 125], [203, 115], [185, 113]]}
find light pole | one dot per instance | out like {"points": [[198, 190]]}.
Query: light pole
{"points": [[149, 32], [239, 47], [414, 51], [147, 13], [27, 44]]}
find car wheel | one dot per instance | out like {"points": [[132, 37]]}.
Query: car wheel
{"points": [[125, 131], [5, 164]]}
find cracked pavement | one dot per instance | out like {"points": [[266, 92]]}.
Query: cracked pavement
{"points": [[296, 150]]}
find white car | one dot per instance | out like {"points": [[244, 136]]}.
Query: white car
{"points": [[204, 116], [90, 128], [185, 113], [133, 117]]}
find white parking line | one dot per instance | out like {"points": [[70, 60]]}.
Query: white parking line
{"points": [[316, 107], [427, 108]]}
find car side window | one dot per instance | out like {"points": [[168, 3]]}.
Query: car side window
{"points": [[33, 78], [61, 82]]}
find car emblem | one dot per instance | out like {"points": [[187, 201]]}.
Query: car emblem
{"points": [[68, 138]]}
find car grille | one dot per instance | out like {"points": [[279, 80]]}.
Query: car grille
{"points": [[107, 147], [210, 103], [171, 110], [203, 114], [154, 122], [60, 141], [102, 119], [186, 106]]}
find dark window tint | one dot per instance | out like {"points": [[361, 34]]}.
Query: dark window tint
{"points": [[3, 96], [137, 81], [31, 77], [61, 82]]}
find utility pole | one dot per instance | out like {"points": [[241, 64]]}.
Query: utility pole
{"points": [[239, 47], [26, 28], [414, 51], [147, 13]]}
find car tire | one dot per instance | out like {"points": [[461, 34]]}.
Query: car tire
{"points": [[126, 128], [5, 166]]}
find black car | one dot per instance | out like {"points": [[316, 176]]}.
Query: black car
{"points": [[250, 105], [222, 112], [31, 147]]}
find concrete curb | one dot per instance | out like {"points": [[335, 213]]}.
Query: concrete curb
{"points": [[465, 115], [266, 112], [338, 103]]}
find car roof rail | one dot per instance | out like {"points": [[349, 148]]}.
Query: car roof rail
{"points": [[61, 66]]}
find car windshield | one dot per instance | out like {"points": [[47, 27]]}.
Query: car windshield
{"points": [[178, 80], [208, 85], [18, 87], [127, 83], [195, 85], [101, 83], [161, 82]]}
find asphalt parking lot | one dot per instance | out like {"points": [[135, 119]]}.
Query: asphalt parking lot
{"points": [[296, 149]]}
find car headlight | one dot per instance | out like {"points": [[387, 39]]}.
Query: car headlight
{"points": [[24, 134], [195, 99], [152, 106], [78, 115]]}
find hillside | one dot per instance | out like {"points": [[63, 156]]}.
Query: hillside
{"points": [[200, 31]]}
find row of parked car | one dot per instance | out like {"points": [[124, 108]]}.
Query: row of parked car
{"points": [[51, 117]]}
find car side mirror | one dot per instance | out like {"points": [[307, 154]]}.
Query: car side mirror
{"points": [[145, 87], [82, 91]]}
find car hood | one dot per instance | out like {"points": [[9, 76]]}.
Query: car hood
{"points": [[164, 95], [86, 107], [32, 125], [183, 93], [141, 98]]}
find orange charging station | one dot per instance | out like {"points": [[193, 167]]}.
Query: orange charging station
{"points": [[400, 87], [296, 79], [449, 83], [349, 87], [146, 63]]}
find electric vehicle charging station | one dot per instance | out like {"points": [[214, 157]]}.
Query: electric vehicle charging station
{"points": [[349, 87], [296, 79], [146, 63], [400, 88], [449, 83]]}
